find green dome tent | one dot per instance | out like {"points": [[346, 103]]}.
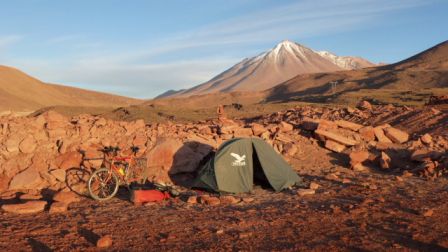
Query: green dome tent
{"points": [[241, 162]]}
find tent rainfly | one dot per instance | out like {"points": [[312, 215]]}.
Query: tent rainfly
{"points": [[241, 162]]}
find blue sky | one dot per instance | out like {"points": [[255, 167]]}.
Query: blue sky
{"points": [[143, 48]]}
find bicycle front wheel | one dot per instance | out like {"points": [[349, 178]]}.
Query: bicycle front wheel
{"points": [[103, 184]]}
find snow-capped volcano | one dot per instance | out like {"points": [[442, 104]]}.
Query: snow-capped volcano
{"points": [[283, 62]]}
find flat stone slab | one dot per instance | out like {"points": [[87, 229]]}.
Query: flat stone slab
{"points": [[29, 207], [336, 137]]}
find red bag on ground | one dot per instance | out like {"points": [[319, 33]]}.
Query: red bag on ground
{"points": [[142, 196]]}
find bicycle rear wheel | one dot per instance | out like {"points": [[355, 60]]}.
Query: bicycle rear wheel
{"points": [[103, 184]]}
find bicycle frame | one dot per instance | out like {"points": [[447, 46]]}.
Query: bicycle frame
{"points": [[127, 161]]}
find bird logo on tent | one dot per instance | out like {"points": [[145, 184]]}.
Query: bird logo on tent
{"points": [[239, 160]]}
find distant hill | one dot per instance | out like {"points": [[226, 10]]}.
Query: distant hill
{"points": [[428, 69], [283, 62], [21, 92], [169, 93]]}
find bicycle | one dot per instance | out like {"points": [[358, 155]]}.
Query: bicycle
{"points": [[115, 170]]}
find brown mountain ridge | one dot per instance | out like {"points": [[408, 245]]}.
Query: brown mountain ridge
{"points": [[428, 69], [21, 92]]}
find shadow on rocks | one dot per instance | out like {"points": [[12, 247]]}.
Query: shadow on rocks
{"points": [[188, 160], [37, 245], [90, 236]]}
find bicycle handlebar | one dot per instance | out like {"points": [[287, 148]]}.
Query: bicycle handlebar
{"points": [[109, 149], [115, 149]]}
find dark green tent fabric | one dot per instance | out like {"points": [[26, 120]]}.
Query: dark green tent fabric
{"points": [[276, 169], [235, 165], [206, 177]]}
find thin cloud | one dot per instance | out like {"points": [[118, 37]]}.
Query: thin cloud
{"points": [[8, 40]]}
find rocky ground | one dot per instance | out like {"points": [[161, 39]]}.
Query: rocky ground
{"points": [[375, 179]]}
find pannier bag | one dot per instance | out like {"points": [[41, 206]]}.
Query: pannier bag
{"points": [[142, 196]]}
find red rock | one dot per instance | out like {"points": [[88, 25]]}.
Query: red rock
{"points": [[27, 145], [304, 192], [283, 138], [140, 140], [59, 174], [309, 124], [286, 127], [12, 144], [428, 213], [69, 160], [58, 207], [336, 137], [357, 157], [326, 125], [367, 133], [209, 200], [188, 157], [365, 105], [359, 167], [435, 111], [422, 155], [242, 132], [290, 149], [93, 156], [397, 136], [266, 136], [247, 199], [228, 199], [426, 138], [258, 129], [4, 182], [26, 208], [379, 133], [314, 186], [104, 242], [348, 125], [213, 201], [334, 146], [100, 122], [385, 161], [227, 129], [66, 197], [27, 179], [30, 196], [192, 200]]}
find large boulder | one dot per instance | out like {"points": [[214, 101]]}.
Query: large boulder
{"points": [[188, 157], [69, 160], [171, 156], [28, 179]]}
